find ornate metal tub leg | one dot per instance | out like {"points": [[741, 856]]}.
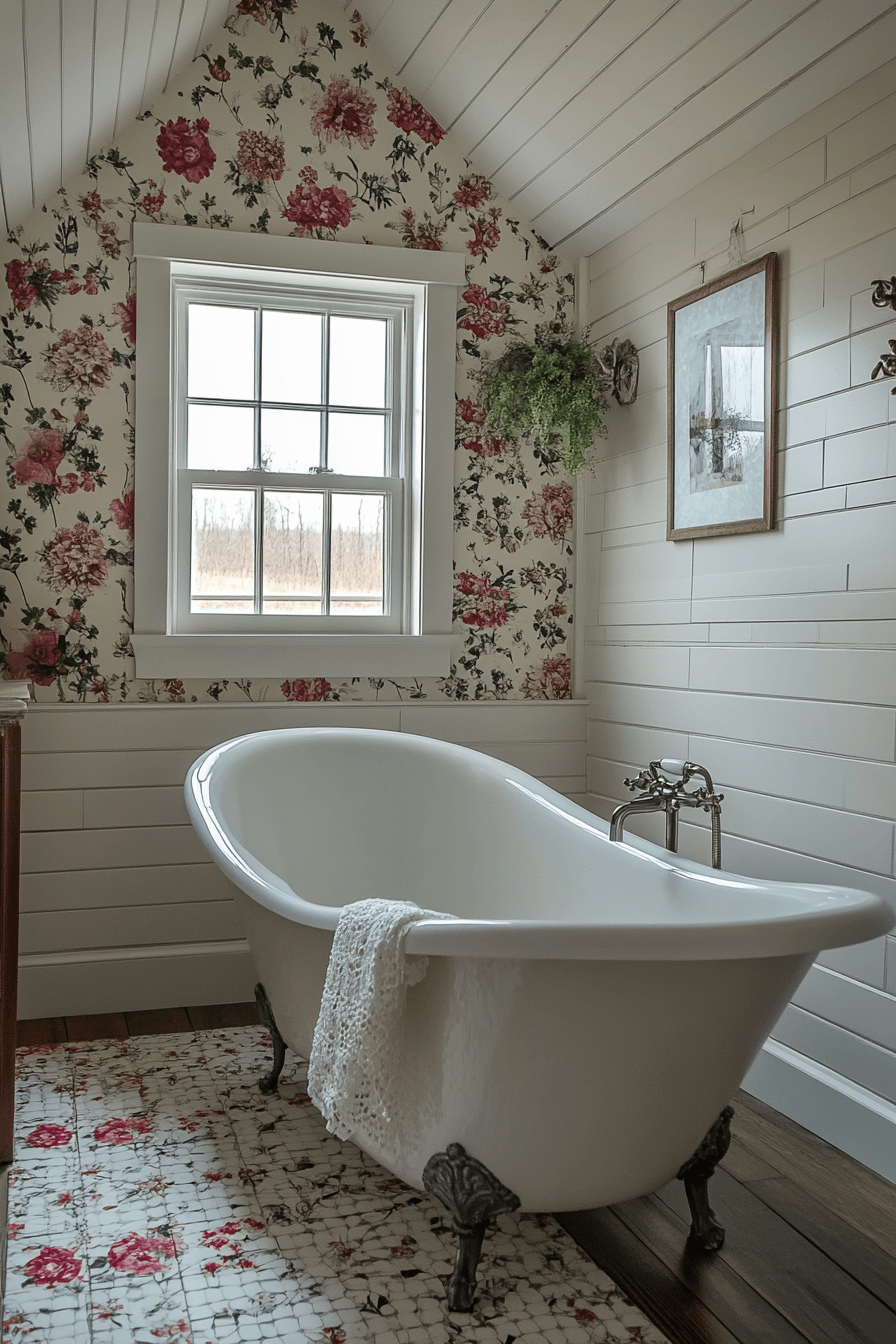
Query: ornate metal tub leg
{"points": [[705, 1231], [473, 1196], [268, 1083]]}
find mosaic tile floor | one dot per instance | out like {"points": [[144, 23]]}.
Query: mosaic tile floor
{"points": [[157, 1195]]}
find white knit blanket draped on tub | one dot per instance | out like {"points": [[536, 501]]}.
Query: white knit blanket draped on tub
{"points": [[354, 1063]]}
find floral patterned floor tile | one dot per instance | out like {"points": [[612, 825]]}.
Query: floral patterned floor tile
{"points": [[158, 1195]]}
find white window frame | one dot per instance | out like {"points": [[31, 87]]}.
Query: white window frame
{"points": [[415, 639]]}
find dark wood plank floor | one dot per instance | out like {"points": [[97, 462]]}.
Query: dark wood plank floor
{"points": [[809, 1254], [119, 1026], [810, 1250]]}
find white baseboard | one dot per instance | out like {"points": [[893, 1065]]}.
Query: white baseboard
{"points": [[850, 1117], [129, 979]]}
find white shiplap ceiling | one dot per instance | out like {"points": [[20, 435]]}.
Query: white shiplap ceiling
{"points": [[589, 115], [73, 73]]}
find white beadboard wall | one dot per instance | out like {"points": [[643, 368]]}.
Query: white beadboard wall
{"points": [[121, 908], [771, 658]]}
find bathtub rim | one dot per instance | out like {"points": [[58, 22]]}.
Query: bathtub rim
{"points": [[850, 916]]}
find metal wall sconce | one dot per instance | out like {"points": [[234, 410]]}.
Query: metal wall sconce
{"points": [[883, 295], [619, 361]]}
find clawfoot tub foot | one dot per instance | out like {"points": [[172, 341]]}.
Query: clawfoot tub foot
{"points": [[268, 1083], [473, 1196], [706, 1233]]}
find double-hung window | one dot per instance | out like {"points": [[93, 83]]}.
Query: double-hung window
{"points": [[293, 457]]}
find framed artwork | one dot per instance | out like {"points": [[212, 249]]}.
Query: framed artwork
{"points": [[723, 360]]}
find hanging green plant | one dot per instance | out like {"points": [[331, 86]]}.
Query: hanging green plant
{"points": [[554, 390]]}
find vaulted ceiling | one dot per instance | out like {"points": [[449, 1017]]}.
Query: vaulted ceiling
{"points": [[588, 115]]}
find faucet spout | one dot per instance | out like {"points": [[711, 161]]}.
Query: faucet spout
{"points": [[646, 804]]}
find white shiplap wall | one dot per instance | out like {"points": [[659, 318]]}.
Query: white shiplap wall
{"points": [[771, 658], [120, 907]]}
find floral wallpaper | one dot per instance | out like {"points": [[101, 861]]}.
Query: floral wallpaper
{"points": [[288, 125]]}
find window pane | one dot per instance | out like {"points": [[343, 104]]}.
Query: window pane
{"points": [[291, 608], [221, 438], [356, 549], [290, 440], [357, 361], [213, 604], [290, 356], [358, 608], [220, 352], [356, 444], [223, 549], [293, 530]]}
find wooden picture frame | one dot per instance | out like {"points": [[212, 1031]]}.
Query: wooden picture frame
{"points": [[722, 404]]}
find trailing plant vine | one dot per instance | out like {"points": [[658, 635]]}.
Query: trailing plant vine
{"points": [[554, 390]]}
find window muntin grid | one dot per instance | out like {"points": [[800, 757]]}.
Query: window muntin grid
{"points": [[259, 445]]}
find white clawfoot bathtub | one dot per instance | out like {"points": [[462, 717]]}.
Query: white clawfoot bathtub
{"points": [[595, 1005]]}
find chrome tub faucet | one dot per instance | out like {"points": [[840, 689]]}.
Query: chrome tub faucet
{"points": [[660, 794]]}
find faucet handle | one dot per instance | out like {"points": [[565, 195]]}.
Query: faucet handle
{"points": [[673, 767]]}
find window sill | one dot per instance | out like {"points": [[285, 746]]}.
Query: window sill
{"points": [[291, 655]]}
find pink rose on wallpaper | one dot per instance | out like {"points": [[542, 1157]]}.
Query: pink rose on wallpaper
{"points": [[472, 191], [549, 512], [151, 203], [120, 1131], [23, 292], [74, 560], [550, 680], [79, 359], [344, 113], [54, 1265], [135, 1254], [488, 445], [315, 689], [184, 148], [37, 660], [109, 240], [481, 441], [218, 70], [485, 317], [260, 157], [485, 604], [409, 115], [37, 280], [39, 459], [361, 31], [309, 206], [49, 1136], [122, 511], [471, 412], [91, 204], [126, 317]]}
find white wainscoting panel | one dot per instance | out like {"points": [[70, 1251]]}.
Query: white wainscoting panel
{"points": [[120, 907]]}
